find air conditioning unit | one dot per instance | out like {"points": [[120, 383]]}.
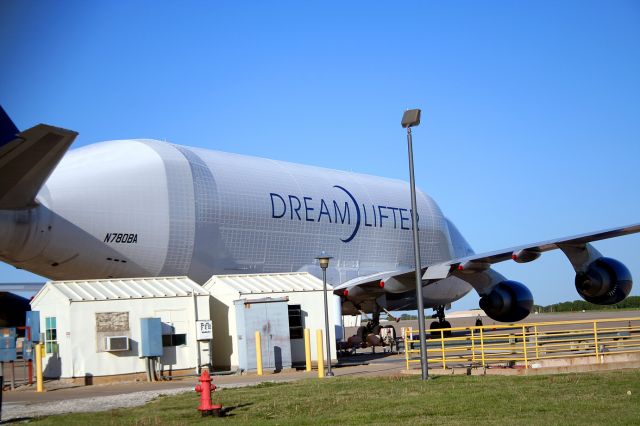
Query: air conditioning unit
{"points": [[116, 343]]}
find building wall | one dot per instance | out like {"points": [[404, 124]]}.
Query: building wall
{"points": [[53, 304], [312, 305], [80, 351], [225, 343]]}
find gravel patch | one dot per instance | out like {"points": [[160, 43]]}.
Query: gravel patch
{"points": [[79, 405], [18, 410]]}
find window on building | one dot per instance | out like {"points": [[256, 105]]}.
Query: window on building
{"points": [[50, 335], [174, 339], [296, 326]]}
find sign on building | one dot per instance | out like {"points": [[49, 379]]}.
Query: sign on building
{"points": [[204, 330]]}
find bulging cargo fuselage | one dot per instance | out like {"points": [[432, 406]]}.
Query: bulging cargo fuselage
{"points": [[147, 208]]}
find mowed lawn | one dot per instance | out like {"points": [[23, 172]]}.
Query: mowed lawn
{"points": [[587, 398]]}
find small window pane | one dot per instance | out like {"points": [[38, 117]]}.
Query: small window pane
{"points": [[174, 340], [296, 326], [166, 340]]}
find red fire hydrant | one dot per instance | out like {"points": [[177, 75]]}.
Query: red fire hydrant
{"points": [[205, 388]]}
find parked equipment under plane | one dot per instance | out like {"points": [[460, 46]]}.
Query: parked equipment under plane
{"points": [[137, 208]]}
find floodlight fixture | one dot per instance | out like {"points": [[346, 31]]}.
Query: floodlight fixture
{"points": [[411, 118]]}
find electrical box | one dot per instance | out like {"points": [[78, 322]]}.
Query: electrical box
{"points": [[116, 343], [33, 322], [8, 344], [150, 337]]}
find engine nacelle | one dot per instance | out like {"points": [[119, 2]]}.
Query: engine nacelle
{"points": [[509, 301], [605, 282]]}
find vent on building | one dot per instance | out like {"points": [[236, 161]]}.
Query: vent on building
{"points": [[116, 343]]}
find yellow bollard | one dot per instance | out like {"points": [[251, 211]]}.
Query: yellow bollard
{"points": [[258, 354], [39, 355], [307, 348], [320, 354]]}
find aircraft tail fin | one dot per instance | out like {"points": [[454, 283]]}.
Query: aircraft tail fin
{"points": [[8, 130], [27, 159]]}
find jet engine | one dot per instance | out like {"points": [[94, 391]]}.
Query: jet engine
{"points": [[605, 282], [509, 301]]}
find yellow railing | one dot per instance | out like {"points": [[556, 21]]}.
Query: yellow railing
{"points": [[524, 344]]}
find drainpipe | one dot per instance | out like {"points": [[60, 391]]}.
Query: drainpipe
{"points": [[195, 330]]}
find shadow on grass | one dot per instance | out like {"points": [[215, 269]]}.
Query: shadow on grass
{"points": [[226, 411], [17, 420]]}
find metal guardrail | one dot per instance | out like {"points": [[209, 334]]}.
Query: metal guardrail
{"points": [[16, 373], [523, 344]]}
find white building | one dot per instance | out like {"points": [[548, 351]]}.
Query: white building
{"points": [[301, 291], [79, 319]]}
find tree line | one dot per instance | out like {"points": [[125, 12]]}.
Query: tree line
{"points": [[631, 302]]}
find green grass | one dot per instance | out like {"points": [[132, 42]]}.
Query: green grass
{"points": [[598, 398]]}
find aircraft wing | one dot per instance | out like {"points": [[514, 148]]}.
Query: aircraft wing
{"points": [[472, 269], [523, 253], [370, 282]]}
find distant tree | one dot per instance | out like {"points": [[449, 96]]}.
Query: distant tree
{"points": [[631, 302], [404, 317]]}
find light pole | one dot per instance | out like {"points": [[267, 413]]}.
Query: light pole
{"points": [[323, 259], [411, 118]]}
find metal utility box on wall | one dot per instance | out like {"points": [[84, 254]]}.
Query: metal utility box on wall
{"points": [[33, 323], [271, 318], [8, 344], [150, 337]]}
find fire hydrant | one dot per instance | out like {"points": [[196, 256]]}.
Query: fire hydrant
{"points": [[205, 388]]}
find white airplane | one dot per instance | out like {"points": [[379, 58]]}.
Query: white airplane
{"points": [[137, 208]]}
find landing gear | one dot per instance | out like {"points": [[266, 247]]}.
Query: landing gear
{"points": [[372, 327], [435, 326]]}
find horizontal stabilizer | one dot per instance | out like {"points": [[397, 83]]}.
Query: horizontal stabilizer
{"points": [[27, 159]]}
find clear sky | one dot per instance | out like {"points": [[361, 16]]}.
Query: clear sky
{"points": [[531, 109]]}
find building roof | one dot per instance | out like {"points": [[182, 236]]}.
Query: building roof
{"points": [[268, 283], [124, 288]]}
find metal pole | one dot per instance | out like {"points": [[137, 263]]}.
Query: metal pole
{"points": [[195, 323], [416, 250], [1, 387], [326, 322]]}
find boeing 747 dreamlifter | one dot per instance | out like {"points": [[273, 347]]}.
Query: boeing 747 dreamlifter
{"points": [[138, 208]]}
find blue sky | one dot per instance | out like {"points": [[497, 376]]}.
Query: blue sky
{"points": [[531, 109]]}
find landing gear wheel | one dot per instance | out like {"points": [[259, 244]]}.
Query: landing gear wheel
{"points": [[434, 329], [446, 324]]}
